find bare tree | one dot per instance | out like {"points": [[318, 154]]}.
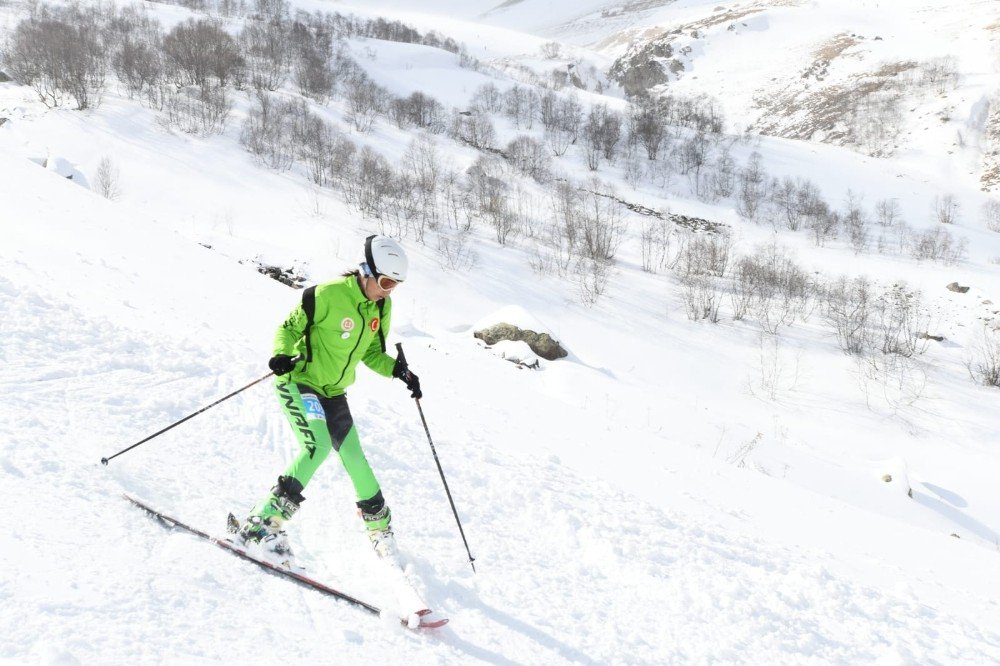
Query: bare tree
{"points": [[602, 227], [365, 102], [752, 188], [692, 156], [520, 104], [847, 308], [608, 131], [314, 71], [647, 127], [984, 367], [370, 187], [422, 164], [937, 244], [419, 110], [551, 50], [198, 49], [268, 52], [855, 221], [137, 58], [488, 187], [946, 209], [991, 215], [529, 158], [770, 286], [898, 318], [565, 206], [887, 212], [61, 55], [106, 179], [702, 297], [455, 251], [723, 178], [654, 242], [267, 131], [488, 99], [473, 128]]}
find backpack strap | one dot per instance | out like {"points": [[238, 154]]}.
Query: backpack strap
{"points": [[381, 316], [309, 307]]}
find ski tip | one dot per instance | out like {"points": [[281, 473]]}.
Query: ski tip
{"points": [[422, 620]]}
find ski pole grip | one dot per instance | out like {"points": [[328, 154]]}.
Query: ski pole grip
{"points": [[399, 352]]}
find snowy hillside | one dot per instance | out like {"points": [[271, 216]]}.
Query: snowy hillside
{"points": [[712, 474], [913, 79]]}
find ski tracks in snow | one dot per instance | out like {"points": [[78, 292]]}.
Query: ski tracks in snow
{"points": [[571, 570]]}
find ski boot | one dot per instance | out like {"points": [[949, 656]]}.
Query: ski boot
{"points": [[264, 525], [378, 521], [384, 544]]}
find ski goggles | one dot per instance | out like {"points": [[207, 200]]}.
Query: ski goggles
{"points": [[386, 283]]}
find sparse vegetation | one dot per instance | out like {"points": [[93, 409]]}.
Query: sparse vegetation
{"points": [[984, 365], [107, 178], [991, 215]]}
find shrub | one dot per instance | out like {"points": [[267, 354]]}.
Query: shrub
{"points": [[702, 297], [847, 307], [984, 367], [473, 128], [751, 188], [704, 253], [61, 55], [937, 244], [770, 286], [654, 243], [991, 215], [601, 226], [201, 110], [106, 179], [267, 131], [529, 158], [366, 100], [418, 110], [198, 49], [946, 209], [137, 58], [268, 53]]}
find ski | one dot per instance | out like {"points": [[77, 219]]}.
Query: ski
{"points": [[418, 620]]}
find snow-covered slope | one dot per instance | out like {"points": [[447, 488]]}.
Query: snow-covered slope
{"points": [[918, 80], [640, 560], [671, 492]]}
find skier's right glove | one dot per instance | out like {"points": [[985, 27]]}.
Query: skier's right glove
{"points": [[281, 364]]}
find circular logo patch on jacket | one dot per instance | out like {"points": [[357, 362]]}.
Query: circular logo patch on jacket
{"points": [[347, 324], [374, 324]]}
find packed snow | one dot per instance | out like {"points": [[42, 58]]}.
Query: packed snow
{"points": [[671, 492]]}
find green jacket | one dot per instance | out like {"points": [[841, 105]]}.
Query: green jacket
{"points": [[344, 332]]}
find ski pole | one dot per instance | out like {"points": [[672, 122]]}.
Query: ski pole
{"points": [[105, 461], [472, 560]]}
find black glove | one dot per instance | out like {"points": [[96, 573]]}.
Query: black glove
{"points": [[281, 364], [401, 371]]}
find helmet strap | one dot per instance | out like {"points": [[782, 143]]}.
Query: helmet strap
{"points": [[368, 255]]}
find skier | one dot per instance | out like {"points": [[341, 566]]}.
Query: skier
{"points": [[337, 325]]}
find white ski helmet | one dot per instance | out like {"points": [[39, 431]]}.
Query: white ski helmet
{"points": [[385, 256]]}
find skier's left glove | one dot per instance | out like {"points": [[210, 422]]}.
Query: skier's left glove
{"points": [[401, 371]]}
